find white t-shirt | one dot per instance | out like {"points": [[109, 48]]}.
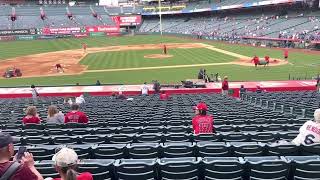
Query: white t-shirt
{"points": [[34, 93], [309, 133], [80, 100], [144, 90]]}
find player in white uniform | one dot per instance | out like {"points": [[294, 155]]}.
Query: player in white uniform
{"points": [[309, 133]]}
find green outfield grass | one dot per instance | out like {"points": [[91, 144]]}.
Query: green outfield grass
{"points": [[303, 64], [135, 59]]}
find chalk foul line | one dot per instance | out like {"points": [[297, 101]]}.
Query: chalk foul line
{"points": [[158, 67]]}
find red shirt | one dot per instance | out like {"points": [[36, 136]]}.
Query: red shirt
{"points": [[84, 46], [58, 66], [76, 116], [23, 173], [164, 96], [225, 85], [267, 58], [255, 60], [286, 53], [202, 124], [32, 119], [82, 176]]}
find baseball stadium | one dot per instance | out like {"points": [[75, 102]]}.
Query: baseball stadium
{"points": [[160, 89]]}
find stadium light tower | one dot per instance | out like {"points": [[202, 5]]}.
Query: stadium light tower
{"points": [[160, 17]]}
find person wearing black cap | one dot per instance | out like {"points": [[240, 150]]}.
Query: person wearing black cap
{"points": [[25, 171]]}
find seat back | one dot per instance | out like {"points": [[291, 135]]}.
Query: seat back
{"points": [[186, 168], [223, 168], [142, 169]]}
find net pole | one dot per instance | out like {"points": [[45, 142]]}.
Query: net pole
{"points": [[160, 16]]}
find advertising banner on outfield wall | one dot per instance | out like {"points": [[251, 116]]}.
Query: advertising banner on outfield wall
{"points": [[81, 35], [31, 37], [97, 34], [69, 30], [127, 20], [106, 29], [17, 32], [7, 38]]}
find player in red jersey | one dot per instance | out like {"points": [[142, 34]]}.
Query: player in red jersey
{"points": [[286, 54], [84, 46], [164, 49], [255, 60]]}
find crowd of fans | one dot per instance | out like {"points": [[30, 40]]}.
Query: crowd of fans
{"points": [[297, 27]]}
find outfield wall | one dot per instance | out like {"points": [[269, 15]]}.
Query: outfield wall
{"points": [[55, 33]]}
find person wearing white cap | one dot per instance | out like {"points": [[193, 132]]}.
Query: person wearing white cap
{"points": [[309, 132], [66, 161]]}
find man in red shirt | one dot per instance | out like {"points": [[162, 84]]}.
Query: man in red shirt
{"points": [[286, 54], [26, 170], [75, 115], [225, 86], [202, 123], [255, 60]]}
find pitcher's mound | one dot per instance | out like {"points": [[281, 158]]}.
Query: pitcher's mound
{"points": [[158, 56]]}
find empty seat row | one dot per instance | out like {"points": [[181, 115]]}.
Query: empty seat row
{"points": [[157, 138], [191, 168], [187, 149], [149, 129]]}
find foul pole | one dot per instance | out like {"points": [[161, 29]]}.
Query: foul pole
{"points": [[160, 17]]}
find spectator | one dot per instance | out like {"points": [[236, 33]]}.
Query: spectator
{"points": [[98, 83], [309, 132], [34, 92], [80, 99], [225, 86], [164, 95], [65, 164], [242, 90], [144, 89], [121, 96], [75, 115], [67, 100], [202, 123], [55, 116], [24, 171], [318, 85], [259, 90], [156, 86], [31, 116]]}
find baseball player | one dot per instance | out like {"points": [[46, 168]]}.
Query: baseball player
{"points": [[309, 132], [255, 60], [59, 68], [286, 54], [84, 46], [164, 49]]}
